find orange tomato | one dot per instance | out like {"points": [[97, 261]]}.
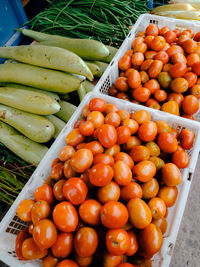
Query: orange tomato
{"points": [[117, 241], [152, 29], [49, 261], [122, 173], [163, 30], [141, 94], [187, 138], [86, 128], [75, 137], [40, 210], [68, 170], [97, 118], [190, 104], [150, 55], [150, 189], [124, 63], [97, 104], [65, 217], [178, 70], [179, 85], [140, 48], [137, 41], [144, 76], [167, 142], [155, 68], [111, 260], [81, 160], [137, 59], [174, 49], [44, 192], [132, 124], [158, 43], [190, 46], [103, 158], [139, 213], [122, 84], [101, 174], [58, 190], [67, 263], [178, 58], [85, 242], [154, 149], [171, 107], [114, 214], [147, 131], [89, 211], [123, 134], [133, 243], [132, 141], [95, 147], [112, 150], [192, 59], [134, 79], [113, 90], [141, 116], [195, 91], [161, 223], [57, 171], [163, 56], [23, 235], [157, 207], [152, 103], [148, 39], [159, 163], [132, 190], [113, 118], [31, 251], [109, 192], [83, 262], [111, 108], [180, 159], [107, 135], [85, 111], [24, 209], [152, 85], [125, 158], [177, 97], [66, 153], [139, 153], [144, 171], [63, 245], [160, 95], [168, 194], [170, 36]]}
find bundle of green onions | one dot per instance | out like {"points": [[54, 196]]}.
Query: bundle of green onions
{"points": [[14, 174], [107, 21]]}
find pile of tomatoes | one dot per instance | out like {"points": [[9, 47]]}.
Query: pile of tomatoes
{"points": [[107, 199], [161, 71]]}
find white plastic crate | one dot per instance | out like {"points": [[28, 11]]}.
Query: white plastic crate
{"points": [[112, 72], [11, 224]]}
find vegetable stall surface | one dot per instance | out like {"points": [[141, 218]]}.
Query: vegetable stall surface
{"points": [[161, 71], [105, 21], [112, 161]]}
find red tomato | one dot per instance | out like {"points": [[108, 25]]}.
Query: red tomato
{"points": [[133, 243], [44, 192], [23, 235], [117, 241], [109, 192], [63, 245], [101, 174], [107, 135], [97, 104], [67, 263], [81, 160], [31, 251], [89, 211]]}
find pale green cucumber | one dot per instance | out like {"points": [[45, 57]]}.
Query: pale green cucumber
{"points": [[66, 111], [35, 127], [81, 92], [46, 79], [102, 66], [58, 124], [88, 86], [93, 67], [47, 57], [28, 88], [20, 145], [85, 48], [113, 51], [29, 101]]}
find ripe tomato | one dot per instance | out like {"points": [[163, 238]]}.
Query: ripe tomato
{"points": [[109, 192], [141, 94], [24, 209], [171, 107], [171, 175], [75, 137], [67, 263], [174, 49], [167, 142], [139, 153], [147, 131], [112, 91], [159, 163], [65, 217], [180, 159], [85, 242], [157, 207], [121, 84], [132, 141], [122, 96], [97, 104], [66, 153], [107, 135], [125, 158], [161, 223], [170, 36], [101, 174], [141, 116], [195, 90], [63, 245], [44, 233], [155, 68], [178, 70], [144, 76], [83, 262], [114, 214], [124, 114], [81, 160], [133, 243], [179, 85], [111, 108], [95, 147], [152, 29], [192, 59], [103, 158], [190, 104], [31, 251], [85, 111], [178, 98], [40, 210], [122, 173], [44, 192], [132, 124], [152, 103], [97, 118], [134, 79], [158, 43], [137, 41], [123, 134], [132, 190], [137, 59], [111, 260], [57, 171], [49, 261], [178, 58], [117, 241], [75, 190], [164, 78], [58, 190], [186, 138], [150, 239], [113, 118], [126, 264], [139, 213], [144, 170], [154, 149], [68, 170], [23, 235], [163, 30], [147, 63], [150, 189], [86, 128], [160, 95], [113, 150], [124, 63], [168, 194], [140, 48], [190, 46], [89, 211]]}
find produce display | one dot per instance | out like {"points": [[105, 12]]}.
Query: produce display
{"points": [[105, 21], [161, 71], [107, 198]]}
